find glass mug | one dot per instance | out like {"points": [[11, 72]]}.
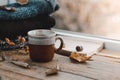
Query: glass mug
{"points": [[41, 44]]}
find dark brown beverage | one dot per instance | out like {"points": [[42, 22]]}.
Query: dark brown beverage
{"points": [[41, 53], [41, 44]]}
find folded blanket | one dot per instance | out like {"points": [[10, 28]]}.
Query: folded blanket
{"points": [[32, 9]]}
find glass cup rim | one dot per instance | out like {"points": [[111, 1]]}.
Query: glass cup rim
{"points": [[41, 33]]}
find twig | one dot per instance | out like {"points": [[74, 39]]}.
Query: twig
{"points": [[21, 64]]}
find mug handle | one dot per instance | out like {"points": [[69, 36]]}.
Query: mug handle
{"points": [[61, 44]]}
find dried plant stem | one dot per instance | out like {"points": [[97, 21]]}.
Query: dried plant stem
{"points": [[18, 63], [21, 64]]}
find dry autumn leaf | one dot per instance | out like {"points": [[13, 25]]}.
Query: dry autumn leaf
{"points": [[23, 40], [79, 57], [11, 44], [7, 40]]}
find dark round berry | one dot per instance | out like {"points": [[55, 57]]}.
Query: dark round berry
{"points": [[79, 48]]}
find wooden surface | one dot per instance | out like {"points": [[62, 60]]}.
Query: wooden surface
{"points": [[100, 67]]}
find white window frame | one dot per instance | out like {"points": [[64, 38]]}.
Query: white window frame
{"points": [[109, 44]]}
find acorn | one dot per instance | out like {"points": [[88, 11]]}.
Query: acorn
{"points": [[79, 48]]}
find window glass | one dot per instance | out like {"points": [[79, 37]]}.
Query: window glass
{"points": [[96, 17]]}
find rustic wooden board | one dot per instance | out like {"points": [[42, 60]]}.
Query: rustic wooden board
{"points": [[109, 53], [101, 68], [7, 78], [35, 73], [69, 70]]}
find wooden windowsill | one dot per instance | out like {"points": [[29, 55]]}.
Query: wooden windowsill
{"points": [[104, 65]]}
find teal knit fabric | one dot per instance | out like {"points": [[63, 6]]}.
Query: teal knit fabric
{"points": [[32, 9]]}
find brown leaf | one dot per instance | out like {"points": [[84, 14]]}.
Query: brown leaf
{"points": [[11, 44], [79, 57], [23, 40], [7, 40]]}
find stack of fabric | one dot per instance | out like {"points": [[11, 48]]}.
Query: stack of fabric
{"points": [[34, 15]]}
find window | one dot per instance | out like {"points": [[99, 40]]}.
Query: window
{"points": [[96, 17]]}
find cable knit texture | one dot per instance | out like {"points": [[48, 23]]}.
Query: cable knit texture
{"points": [[32, 9]]}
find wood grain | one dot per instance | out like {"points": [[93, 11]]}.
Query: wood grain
{"points": [[69, 70], [105, 67]]}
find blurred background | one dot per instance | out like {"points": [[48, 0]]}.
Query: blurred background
{"points": [[96, 17]]}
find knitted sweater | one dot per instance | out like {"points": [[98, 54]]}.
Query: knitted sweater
{"points": [[32, 9]]}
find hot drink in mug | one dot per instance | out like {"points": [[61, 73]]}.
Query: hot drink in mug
{"points": [[42, 44]]}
